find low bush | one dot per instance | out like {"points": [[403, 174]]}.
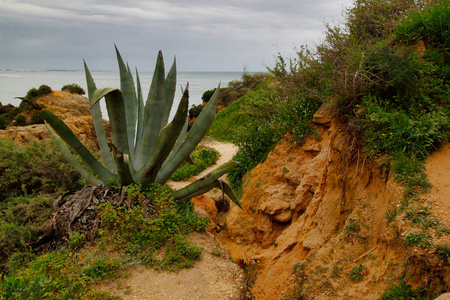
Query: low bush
{"points": [[443, 252], [73, 88], [22, 220], [195, 110], [418, 238], [402, 290], [20, 120], [34, 93], [143, 234], [37, 167], [237, 88]]}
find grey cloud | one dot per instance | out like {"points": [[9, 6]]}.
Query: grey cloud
{"points": [[205, 35]]}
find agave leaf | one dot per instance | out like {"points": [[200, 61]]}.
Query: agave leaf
{"points": [[205, 183], [72, 160], [216, 184], [170, 85], [229, 192], [180, 140], [98, 123], [130, 99], [166, 140], [140, 114], [154, 112], [67, 135], [116, 112], [196, 134]]}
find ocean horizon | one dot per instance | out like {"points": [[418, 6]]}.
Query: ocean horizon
{"points": [[16, 83]]}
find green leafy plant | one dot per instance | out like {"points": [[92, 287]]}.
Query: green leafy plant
{"points": [[444, 252], [418, 238], [144, 148], [402, 290], [390, 214], [216, 251], [141, 232], [420, 217], [442, 229], [352, 230], [357, 273]]}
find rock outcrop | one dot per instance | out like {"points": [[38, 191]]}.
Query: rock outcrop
{"points": [[72, 109]]}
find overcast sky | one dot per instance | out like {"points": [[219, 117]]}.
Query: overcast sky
{"points": [[204, 35]]}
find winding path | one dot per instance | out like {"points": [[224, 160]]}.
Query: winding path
{"points": [[226, 150]]}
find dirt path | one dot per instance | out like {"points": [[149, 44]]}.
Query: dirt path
{"points": [[215, 276], [226, 150], [438, 172]]}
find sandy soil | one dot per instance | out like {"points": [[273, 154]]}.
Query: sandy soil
{"points": [[438, 172], [213, 277]]}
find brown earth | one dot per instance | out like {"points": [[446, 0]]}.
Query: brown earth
{"points": [[73, 109], [213, 277], [320, 209]]}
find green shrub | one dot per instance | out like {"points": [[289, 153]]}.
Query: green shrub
{"points": [[444, 252], [202, 157], [73, 88], [37, 167], [44, 90], [20, 120], [237, 88], [418, 238], [4, 121], [369, 20], [260, 137], [357, 273], [130, 230], [36, 118], [402, 290], [195, 110], [34, 93], [22, 221], [431, 25]]}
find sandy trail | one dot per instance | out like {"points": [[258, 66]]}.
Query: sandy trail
{"points": [[438, 172], [226, 150]]}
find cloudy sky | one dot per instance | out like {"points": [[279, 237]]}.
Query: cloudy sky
{"points": [[205, 35]]}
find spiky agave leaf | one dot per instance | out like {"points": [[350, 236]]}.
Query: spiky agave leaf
{"points": [[67, 136], [69, 156], [97, 120], [166, 140], [194, 137]]}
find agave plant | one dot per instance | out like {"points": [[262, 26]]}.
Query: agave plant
{"points": [[145, 148]]}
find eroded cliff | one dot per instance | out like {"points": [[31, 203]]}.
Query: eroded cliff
{"points": [[314, 223]]}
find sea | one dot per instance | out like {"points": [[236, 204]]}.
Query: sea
{"points": [[16, 83]]}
